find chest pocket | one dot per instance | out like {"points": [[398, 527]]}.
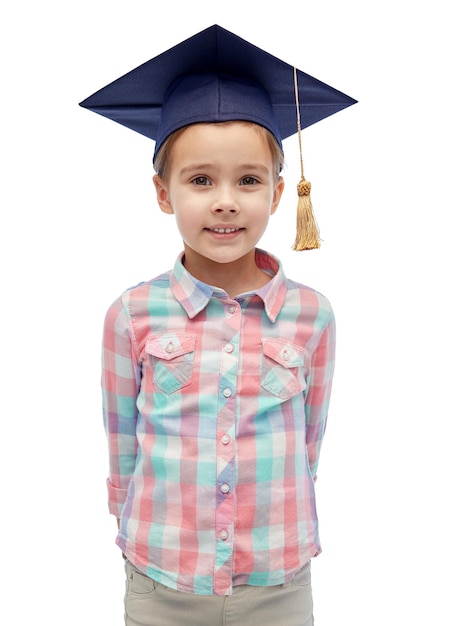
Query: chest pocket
{"points": [[282, 368], [171, 357]]}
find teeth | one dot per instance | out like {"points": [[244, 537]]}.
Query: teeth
{"points": [[224, 230]]}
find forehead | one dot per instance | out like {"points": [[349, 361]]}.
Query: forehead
{"points": [[198, 138]]}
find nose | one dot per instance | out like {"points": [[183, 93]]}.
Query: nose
{"points": [[224, 209], [225, 202]]}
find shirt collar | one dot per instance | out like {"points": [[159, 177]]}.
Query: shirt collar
{"points": [[194, 295]]}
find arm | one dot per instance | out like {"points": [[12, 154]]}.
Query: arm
{"points": [[120, 375], [318, 397]]}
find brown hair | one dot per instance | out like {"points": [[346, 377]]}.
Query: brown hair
{"points": [[161, 161]]}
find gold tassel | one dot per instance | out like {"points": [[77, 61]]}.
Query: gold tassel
{"points": [[307, 232]]}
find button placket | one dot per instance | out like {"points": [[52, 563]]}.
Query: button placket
{"points": [[226, 425]]}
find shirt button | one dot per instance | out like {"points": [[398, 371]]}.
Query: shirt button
{"points": [[225, 440], [229, 348], [170, 347], [227, 392], [224, 488], [224, 535], [231, 309], [285, 355]]}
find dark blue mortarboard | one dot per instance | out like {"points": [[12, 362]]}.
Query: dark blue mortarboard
{"points": [[216, 76]]}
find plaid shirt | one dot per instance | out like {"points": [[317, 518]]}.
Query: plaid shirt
{"points": [[215, 409]]}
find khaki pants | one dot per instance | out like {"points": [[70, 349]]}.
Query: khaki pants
{"points": [[148, 603]]}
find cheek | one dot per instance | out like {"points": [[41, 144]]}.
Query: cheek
{"points": [[186, 223], [264, 209]]}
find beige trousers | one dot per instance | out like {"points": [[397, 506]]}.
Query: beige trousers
{"points": [[148, 603]]}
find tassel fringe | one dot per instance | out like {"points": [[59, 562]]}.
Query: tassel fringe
{"points": [[307, 232]]}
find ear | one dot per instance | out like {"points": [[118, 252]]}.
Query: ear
{"points": [[278, 191], [162, 195]]}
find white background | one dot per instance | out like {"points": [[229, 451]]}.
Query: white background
{"points": [[80, 224]]}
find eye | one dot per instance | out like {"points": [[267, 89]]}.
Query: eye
{"points": [[248, 180], [201, 180]]}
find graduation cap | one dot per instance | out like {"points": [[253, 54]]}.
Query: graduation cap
{"points": [[216, 76]]}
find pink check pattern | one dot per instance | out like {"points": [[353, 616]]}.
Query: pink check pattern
{"points": [[215, 411]]}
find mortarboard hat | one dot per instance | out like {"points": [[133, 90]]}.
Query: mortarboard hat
{"points": [[217, 76]]}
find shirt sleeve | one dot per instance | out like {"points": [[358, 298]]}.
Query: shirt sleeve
{"points": [[318, 396], [120, 383]]}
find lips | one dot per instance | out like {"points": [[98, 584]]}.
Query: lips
{"points": [[225, 231]]}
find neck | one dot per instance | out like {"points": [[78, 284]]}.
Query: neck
{"points": [[236, 277]]}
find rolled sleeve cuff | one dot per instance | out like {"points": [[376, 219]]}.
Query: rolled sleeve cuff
{"points": [[116, 499]]}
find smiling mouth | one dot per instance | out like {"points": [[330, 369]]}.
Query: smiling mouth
{"points": [[224, 231]]}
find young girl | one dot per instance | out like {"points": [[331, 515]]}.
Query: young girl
{"points": [[217, 374]]}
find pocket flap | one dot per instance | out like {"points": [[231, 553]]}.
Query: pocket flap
{"points": [[169, 346], [283, 352]]}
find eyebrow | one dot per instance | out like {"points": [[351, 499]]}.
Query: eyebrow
{"points": [[203, 166], [195, 166]]}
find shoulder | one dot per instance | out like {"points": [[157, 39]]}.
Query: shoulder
{"points": [[308, 297], [145, 290], [137, 310], [136, 299]]}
